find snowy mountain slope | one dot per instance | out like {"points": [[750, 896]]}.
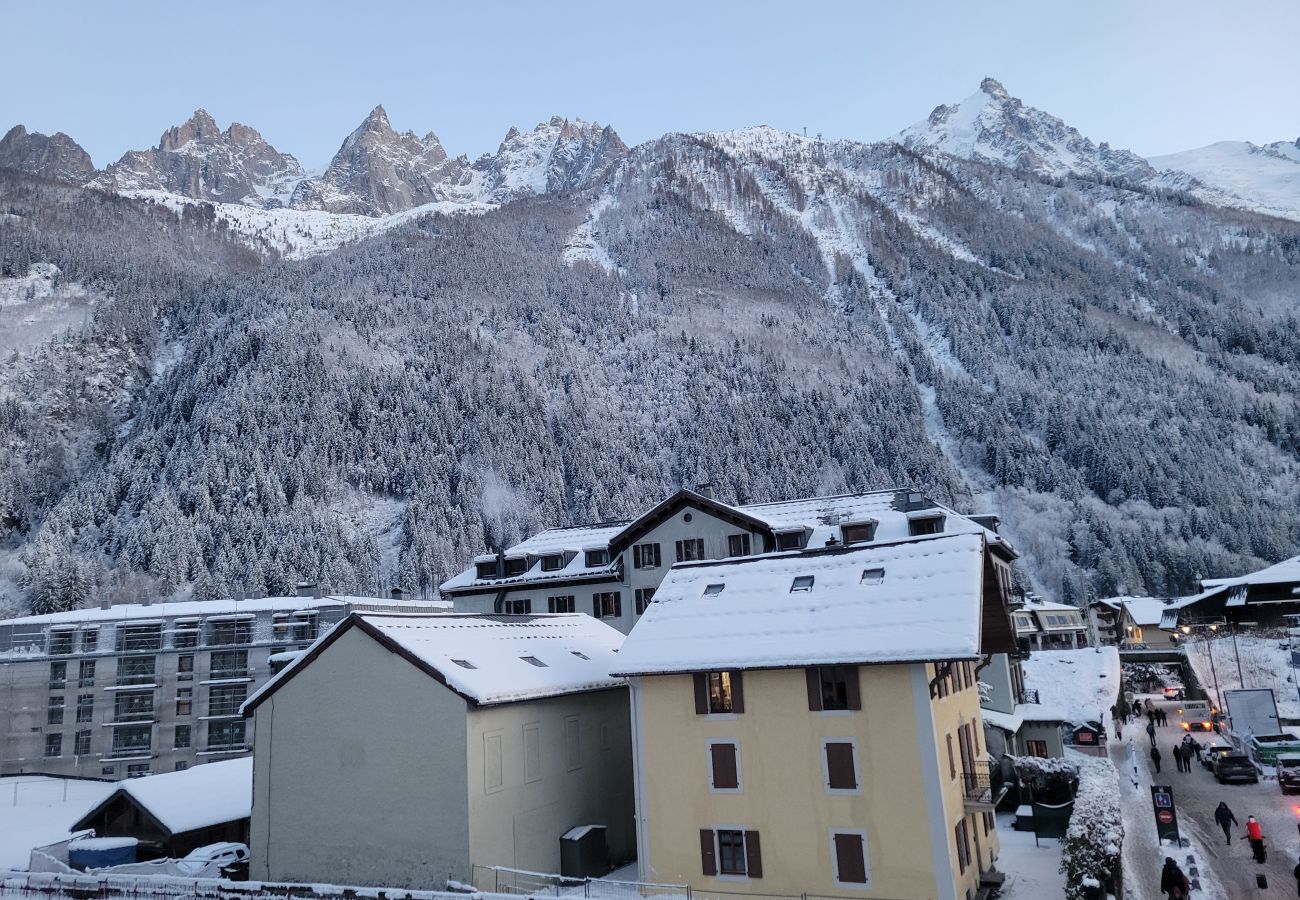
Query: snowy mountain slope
{"points": [[559, 155], [200, 161], [1265, 179], [993, 126]]}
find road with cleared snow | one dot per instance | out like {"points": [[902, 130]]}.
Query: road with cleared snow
{"points": [[1227, 871]]}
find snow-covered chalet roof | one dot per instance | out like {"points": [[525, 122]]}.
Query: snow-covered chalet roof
{"points": [[487, 659], [820, 517], [198, 797], [127, 612], [913, 600], [1280, 573], [1073, 685]]}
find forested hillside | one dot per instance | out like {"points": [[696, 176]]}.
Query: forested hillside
{"points": [[1113, 369]]}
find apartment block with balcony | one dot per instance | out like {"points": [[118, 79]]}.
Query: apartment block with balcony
{"points": [[138, 689], [809, 723], [612, 570]]}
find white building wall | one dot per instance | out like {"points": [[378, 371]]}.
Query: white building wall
{"points": [[521, 802], [359, 774]]}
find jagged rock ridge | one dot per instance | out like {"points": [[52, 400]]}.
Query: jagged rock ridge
{"points": [[198, 160], [55, 156]]}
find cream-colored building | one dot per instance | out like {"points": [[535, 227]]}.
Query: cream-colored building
{"points": [[400, 750], [809, 722]]}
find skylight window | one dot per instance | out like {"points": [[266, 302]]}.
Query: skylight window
{"points": [[534, 661], [713, 590], [579, 654], [464, 663], [801, 583], [874, 575]]}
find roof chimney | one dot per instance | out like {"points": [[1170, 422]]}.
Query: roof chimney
{"points": [[705, 489], [105, 603], [306, 589]]}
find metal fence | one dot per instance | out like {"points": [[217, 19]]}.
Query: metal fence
{"points": [[502, 880]]}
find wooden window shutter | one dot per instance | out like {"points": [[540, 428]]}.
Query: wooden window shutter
{"points": [[753, 855], [737, 691], [851, 679], [814, 676], [595, 605], [618, 604], [708, 856], [850, 859], [839, 767], [725, 774], [701, 694]]}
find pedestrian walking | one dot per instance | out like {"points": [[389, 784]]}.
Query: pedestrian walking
{"points": [[1296, 873], [1151, 717], [1119, 735], [1178, 757], [1162, 718], [1151, 732], [1155, 754], [1173, 882], [1255, 835], [1225, 820]]}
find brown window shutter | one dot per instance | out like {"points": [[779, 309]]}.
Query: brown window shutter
{"points": [[725, 774], [850, 858], [814, 677], [839, 767], [855, 695], [753, 855], [708, 856], [737, 691], [701, 694]]}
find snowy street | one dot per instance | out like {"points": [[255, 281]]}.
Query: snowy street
{"points": [[1225, 871]]}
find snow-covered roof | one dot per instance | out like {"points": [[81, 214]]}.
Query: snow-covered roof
{"points": [[487, 659], [1073, 685], [821, 517], [198, 797], [1280, 573], [913, 600], [141, 613], [1146, 611], [1008, 722]]}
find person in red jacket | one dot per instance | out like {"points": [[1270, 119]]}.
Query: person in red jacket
{"points": [[1255, 835]]}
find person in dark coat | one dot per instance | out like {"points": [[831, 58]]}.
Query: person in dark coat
{"points": [[1224, 818], [1173, 882], [1296, 873], [1155, 754], [1151, 732], [1178, 757]]}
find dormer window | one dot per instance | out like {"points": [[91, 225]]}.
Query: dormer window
{"points": [[922, 525], [791, 540], [486, 568], [516, 565], [858, 532], [597, 558], [801, 584], [552, 562]]}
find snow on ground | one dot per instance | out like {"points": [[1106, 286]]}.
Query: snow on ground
{"points": [[1032, 869], [1082, 684], [1267, 178], [1265, 663], [584, 244], [36, 810], [39, 306]]}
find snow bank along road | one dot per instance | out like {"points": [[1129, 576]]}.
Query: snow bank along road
{"points": [[1231, 869]]}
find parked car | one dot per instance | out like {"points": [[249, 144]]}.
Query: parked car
{"points": [[1288, 773], [1235, 767], [1174, 693], [230, 858], [1213, 751]]}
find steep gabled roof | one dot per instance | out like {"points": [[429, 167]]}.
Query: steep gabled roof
{"points": [[666, 509], [1280, 573], [915, 600], [483, 658], [198, 797]]}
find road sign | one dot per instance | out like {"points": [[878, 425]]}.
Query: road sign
{"points": [[1162, 801]]}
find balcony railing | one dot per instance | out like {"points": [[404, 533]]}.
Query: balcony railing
{"points": [[130, 678], [1028, 695], [982, 789]]}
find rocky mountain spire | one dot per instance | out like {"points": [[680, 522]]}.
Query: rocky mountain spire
{"points": [[558, 155], [55, 156], [378, 171]]}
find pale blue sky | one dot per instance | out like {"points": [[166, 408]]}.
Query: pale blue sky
{"points": [[1152, 76]]}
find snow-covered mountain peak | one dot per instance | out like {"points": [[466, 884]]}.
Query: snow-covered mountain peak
{"points": [[558, 155], [993, 126], [199, 127], [1261, 178]]}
